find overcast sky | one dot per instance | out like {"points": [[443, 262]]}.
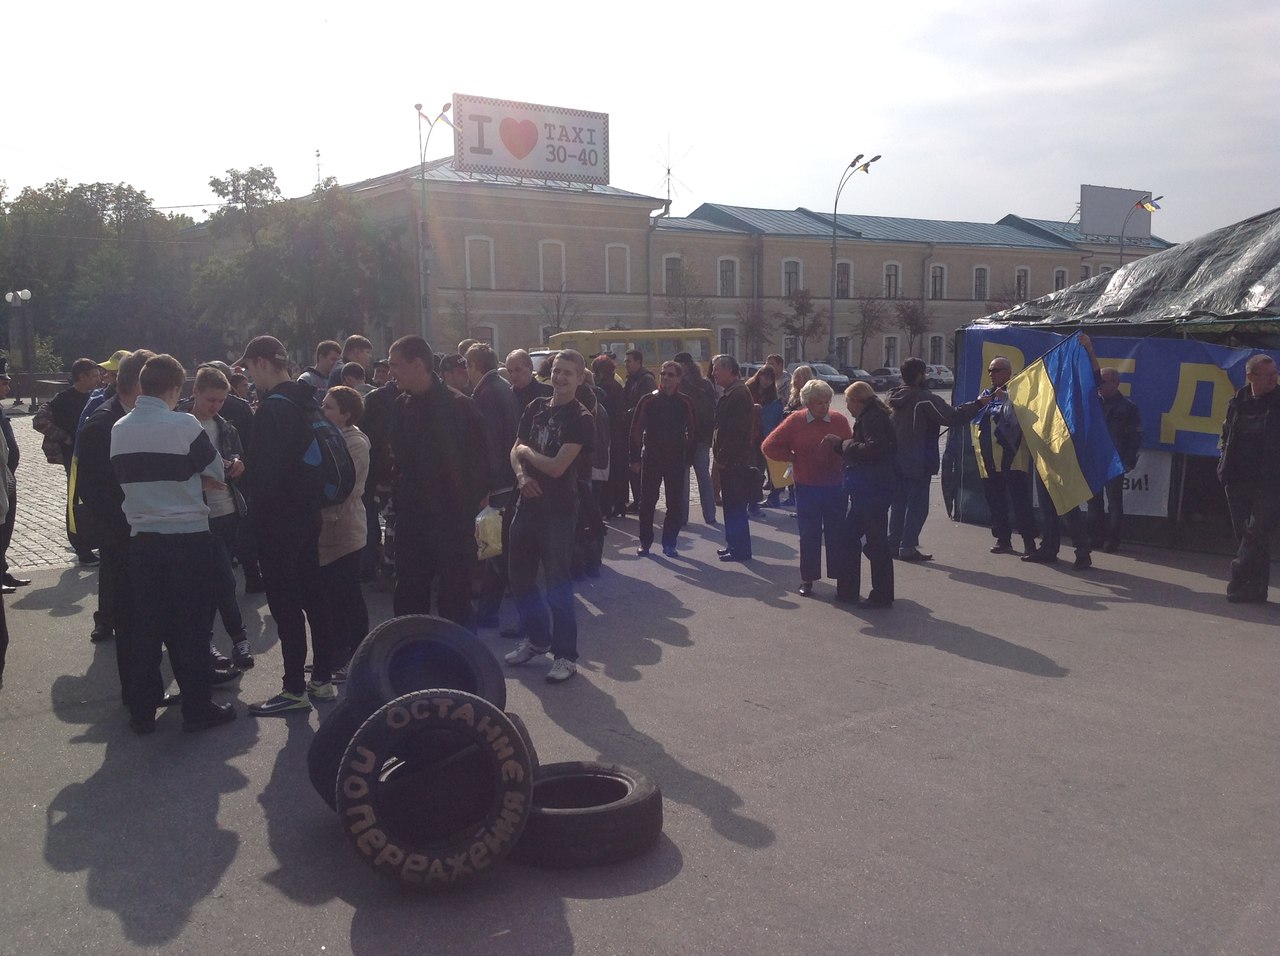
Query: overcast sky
{"points": [[979, 108]]}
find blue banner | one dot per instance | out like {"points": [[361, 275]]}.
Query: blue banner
{"points": [[1180, 386]]}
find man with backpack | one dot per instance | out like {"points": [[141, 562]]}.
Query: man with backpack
{"points": [[441, 480], [286, 492]]}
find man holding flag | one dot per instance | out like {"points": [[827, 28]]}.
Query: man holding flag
{"points": [[1056, 402]]}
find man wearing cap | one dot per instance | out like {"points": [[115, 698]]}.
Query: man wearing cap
{"points": [[285, 524], [453, 370]]}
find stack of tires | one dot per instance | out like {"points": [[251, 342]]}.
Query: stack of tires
{"points": [[434, 783]]}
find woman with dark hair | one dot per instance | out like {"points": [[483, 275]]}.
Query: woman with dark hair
{"points": [[617, 489], [869, 481], [702, 393], [764, 391]]}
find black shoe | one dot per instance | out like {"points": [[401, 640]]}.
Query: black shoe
{"points": [[100, 634], [723, 551], [142, 725], [220, 676], [1040, 557], [1082, 563], [8, 589], [805, 589], [170, 700], [642, 552], [734, 557], [89, 559], [916, 555], [670, 552], [12, 582], [1002, 547], [220, 714], [870, 604], [220, 661], [1248, 596]]}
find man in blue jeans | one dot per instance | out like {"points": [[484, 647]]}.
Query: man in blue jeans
{"points": [[552, 433], [733, 451]]}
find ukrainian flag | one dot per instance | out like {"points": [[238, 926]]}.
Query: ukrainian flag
{"points": [[1056, 401]]}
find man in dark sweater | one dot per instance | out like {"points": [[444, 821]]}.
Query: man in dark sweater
{"points": [[663, 435], [733, 451], [1124, 424], [57, 420], [501, 410]]}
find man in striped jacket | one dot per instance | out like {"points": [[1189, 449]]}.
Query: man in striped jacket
{"points": [[163, 459]]}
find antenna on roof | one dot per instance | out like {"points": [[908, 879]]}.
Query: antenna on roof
{"points": [[668, 176]]}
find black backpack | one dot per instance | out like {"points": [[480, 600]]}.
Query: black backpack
{"points": [[329, 472]]}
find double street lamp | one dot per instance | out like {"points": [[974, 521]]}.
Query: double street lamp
{"points": [[424, 242], [1147, 203], [856, 166]]}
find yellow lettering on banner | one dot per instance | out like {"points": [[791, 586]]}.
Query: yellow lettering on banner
{"points": [[1179, 417]]}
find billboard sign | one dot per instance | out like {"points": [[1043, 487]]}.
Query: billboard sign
{"points": [[1104, 209], [529, 141]]}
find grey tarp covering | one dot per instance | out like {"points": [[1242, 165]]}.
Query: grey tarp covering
{"points": [[1231, 274]]}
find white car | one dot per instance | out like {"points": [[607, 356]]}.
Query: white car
{"points": [[938, 376]]}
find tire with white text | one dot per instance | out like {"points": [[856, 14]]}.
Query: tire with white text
{"points": [[589, 814], [324, 755], [435, 788]]}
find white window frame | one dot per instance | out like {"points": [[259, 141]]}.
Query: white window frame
{"points": [[799, 275], [942, 349], [493, 272], [849, 293], [737, 276], [897, 349], [943, 295], [626, 267], [1064, 274], [665, 259], [1025, 294], [556, 285], [737, 338], [986, 271]]}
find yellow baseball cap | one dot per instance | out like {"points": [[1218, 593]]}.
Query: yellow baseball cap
{"points": [[113, 364]]}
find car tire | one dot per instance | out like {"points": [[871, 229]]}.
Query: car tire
{"points": [[324, 755], [589, 814], [420, 651], [435, 788]]}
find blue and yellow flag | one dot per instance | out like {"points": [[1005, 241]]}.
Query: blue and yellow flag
{"points": [[1057, 404]]}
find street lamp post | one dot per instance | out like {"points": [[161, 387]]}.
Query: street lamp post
{"points": [[424, 242], [855, 166], [1147, 203], [17, 300]]}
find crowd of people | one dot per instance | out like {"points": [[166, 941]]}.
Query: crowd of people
{"points": [[169, 494]]}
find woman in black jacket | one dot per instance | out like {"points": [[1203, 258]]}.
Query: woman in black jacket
{"points": [[869, 480]]}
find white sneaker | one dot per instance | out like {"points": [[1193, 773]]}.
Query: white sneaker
{"points": [[524, 653], [561, 670]]}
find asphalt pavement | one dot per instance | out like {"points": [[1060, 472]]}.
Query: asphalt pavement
{"points": [[1014, 759]]}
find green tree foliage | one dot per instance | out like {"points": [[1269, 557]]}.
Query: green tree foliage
{"points": [[312, 269]]}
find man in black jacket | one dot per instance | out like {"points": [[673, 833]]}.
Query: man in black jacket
{"points": [[58, 420], [640, 382], [286, 525], [11, 583], [1124, 423], [1247, 469], [663, 435], [441, 480], [501, 410]]}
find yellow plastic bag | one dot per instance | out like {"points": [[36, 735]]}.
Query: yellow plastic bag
{"points": [[780, 473], [489, 533]]}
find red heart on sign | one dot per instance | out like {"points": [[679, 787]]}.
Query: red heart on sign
{"points": [[519, 136]]}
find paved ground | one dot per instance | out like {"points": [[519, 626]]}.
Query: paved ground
{"points": [[1015, 759]]}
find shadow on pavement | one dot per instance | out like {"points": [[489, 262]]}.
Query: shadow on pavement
{"points": [[75, 593]]}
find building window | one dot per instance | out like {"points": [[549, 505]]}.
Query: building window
{"points": [[1059, 279], [729, 342], [891, 351], [672, 275], [843, 277], [617, 268], [551, 275], [938, 282], [483, 333], [1022, 284], [935, 350], [479, 264], [729, 277], [980, 284], [1085, 272], [791, 278], [892, 289]]}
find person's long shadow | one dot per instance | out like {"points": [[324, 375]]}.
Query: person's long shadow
{"points": [[144, 827], [912, 623], [74, 593], [631, 599]]}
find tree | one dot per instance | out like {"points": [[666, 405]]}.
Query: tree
{"points": [[755, 330], [248, 196], [804, 321], [561, 310], [685, 308], [915, 320], [869, 320]]}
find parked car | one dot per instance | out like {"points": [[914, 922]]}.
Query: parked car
{"points": [[883, 379], [855, 374], [837, 380], [939, 376]]}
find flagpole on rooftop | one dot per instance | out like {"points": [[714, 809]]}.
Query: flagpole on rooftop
{"points": [[856, 166]]}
